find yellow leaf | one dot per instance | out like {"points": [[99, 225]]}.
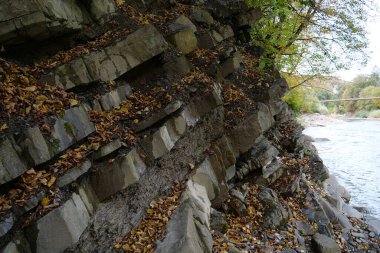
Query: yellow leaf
{"points": [[41, 98], [31, 171], [117, 246], [150, 211], [4, 126], [64, 156], [31, 88], [45, 201], [94, 146], [73, 102], [24, 80], [51, 181], [136, 121], [126, 246]]}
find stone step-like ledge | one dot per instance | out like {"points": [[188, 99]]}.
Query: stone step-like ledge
{"points": [[113, 177], [74, 126], [150, 121], [60, 228], [113, 98], [244, 135], [189, 228], [206, 177], [73, 174], [11, 164], [107, 149], [163, 140], [112, 62], [32, 147]]}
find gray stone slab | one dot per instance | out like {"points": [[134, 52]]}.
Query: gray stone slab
{"points": [[334, 188], [112, 62], [19, 244], [60, 228], [11, 166], [161, 142], [180, 23], [110, 100], [324, 244], [88, 196], [79, 120], [34, 147], [73, 174], [150, 121], [72, 127], [124, 91], [184, 40], [230, 65], [189, 228], [118, 175], [373, 224], [206, 177], [244, 135], [107, 149], [6, 224], [206, 40], [39, 20], [335, 216], [202, 16]]}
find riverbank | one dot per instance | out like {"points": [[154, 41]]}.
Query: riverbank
{"points": [[317, 119], [349, 150]]}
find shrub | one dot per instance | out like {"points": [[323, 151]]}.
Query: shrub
{"points": [[374, 114], [361, 114]]}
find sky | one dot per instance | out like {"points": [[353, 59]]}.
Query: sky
{"points": [[373, 29]]}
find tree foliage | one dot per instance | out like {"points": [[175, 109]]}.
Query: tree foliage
{"points": [[301, 98], [363, 86], [311, 36]]}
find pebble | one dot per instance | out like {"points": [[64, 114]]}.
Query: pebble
{"points": [[359, 235], [372, 234]]}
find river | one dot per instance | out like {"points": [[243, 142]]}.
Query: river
{"points": [[352, 153]]}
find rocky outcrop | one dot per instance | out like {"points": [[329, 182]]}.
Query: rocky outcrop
{"points": [[189, 228], [324, 244], [38, 20], [154, 108], [69, 221], [114, 61], [275, 214]]}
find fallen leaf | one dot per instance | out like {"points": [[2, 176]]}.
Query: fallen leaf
{"points": [[31, 88], [73, 102], [94, 146], [45, 201], [31, 171], [51, 181], [4, 126]]}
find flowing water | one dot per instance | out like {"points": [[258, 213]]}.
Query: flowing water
{"points": [[352, 153]]}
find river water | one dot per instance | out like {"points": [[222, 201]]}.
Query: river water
{"points": [[352, 153]]}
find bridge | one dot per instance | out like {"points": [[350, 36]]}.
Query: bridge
{"points": [[348, 99]]}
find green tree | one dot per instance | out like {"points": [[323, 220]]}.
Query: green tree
{"points": [[356, 88], [313, 36], [301, 98], [370, 91]]}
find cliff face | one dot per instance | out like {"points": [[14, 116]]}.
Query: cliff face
{"points": [[147, 127]]}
